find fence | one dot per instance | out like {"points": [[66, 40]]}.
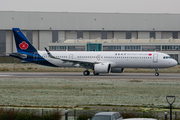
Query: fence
{"points": [[73, 114]]}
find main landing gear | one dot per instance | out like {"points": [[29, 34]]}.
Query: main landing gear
{"points": [[95, 73], [86, 73], [156, 72]]}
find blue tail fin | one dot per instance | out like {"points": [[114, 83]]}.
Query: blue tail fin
{"points": [[22, 43]]}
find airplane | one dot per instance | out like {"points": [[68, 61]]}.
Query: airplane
{"points": [[98, 61]]}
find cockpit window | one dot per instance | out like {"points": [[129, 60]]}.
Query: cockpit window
{"points": [[167, 57]]}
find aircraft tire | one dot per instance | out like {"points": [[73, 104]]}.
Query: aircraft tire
{"points": [[86, 73], [95, 73], [156, 74]]}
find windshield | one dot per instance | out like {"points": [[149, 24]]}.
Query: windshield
{"points": [[167, 57], [101, 117]]}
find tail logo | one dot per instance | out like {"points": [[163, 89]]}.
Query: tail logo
{"points": [[23, 45]]}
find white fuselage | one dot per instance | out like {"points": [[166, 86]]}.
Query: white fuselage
{"points": [[117, 59]]}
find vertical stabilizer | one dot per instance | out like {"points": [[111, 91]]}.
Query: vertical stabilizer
{"points": [[22, 43]]}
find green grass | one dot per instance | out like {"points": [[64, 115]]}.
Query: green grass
{"points": [[56, 92]]}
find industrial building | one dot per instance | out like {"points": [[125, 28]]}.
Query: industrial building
{"points": [[70, 31]]}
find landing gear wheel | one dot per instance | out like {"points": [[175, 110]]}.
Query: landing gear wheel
{"points": [[156, 74], [86, 73], [95, 73]]}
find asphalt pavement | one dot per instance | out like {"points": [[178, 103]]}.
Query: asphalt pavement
{"points": [[91, 76]]}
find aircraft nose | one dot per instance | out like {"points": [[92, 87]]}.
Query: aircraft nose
{"points": [[174, 63]]}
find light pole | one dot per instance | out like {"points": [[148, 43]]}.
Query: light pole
{"points": [[170, 104]]}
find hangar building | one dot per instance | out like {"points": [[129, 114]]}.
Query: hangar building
{"points": [[93, 31]]}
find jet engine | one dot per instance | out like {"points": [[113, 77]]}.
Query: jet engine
{"points": [[117, 70], [102, 68]]}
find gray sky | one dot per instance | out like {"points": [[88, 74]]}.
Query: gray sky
{"points": [[105, 6]]}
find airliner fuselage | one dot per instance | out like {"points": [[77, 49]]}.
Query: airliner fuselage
{"points": [[117, 59]]}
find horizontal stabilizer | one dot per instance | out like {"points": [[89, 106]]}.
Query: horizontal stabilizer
{"points": [[18, 55]]}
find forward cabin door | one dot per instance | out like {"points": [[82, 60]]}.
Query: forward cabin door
{"points": [[155, 58]]}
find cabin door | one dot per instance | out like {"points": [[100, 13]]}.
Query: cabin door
{"points": [[71, 56], [155, 58]]}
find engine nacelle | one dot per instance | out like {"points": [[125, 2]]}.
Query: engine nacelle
{"points": [[117, 70], [102, 68]]}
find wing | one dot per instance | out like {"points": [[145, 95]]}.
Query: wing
{"points": [[81, 62]]}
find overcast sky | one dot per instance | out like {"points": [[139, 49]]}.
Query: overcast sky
{"points": [[102, 6]]}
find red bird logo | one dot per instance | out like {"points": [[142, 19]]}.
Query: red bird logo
{"points": [[23, 46], [149, 54]]}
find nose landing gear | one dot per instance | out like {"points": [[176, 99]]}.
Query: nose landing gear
{"points": [[156, 72]]}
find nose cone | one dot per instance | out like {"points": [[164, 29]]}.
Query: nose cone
{"points": [[173, 63]]}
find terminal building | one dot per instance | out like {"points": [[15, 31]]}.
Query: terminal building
{"points": [[61, 31]]}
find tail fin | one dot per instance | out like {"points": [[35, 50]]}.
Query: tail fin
{"points": [[22, 43]]}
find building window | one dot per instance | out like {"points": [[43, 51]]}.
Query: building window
{"points": [[29, 35], [76, 48], [175, 35], [79, 34], [52, 47], [152, 34], [94, 46], [151, 47], [128, 34], [136, 47], [111, 48], [54, 36], [170, 47], [58, 48], [104, 35]]}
